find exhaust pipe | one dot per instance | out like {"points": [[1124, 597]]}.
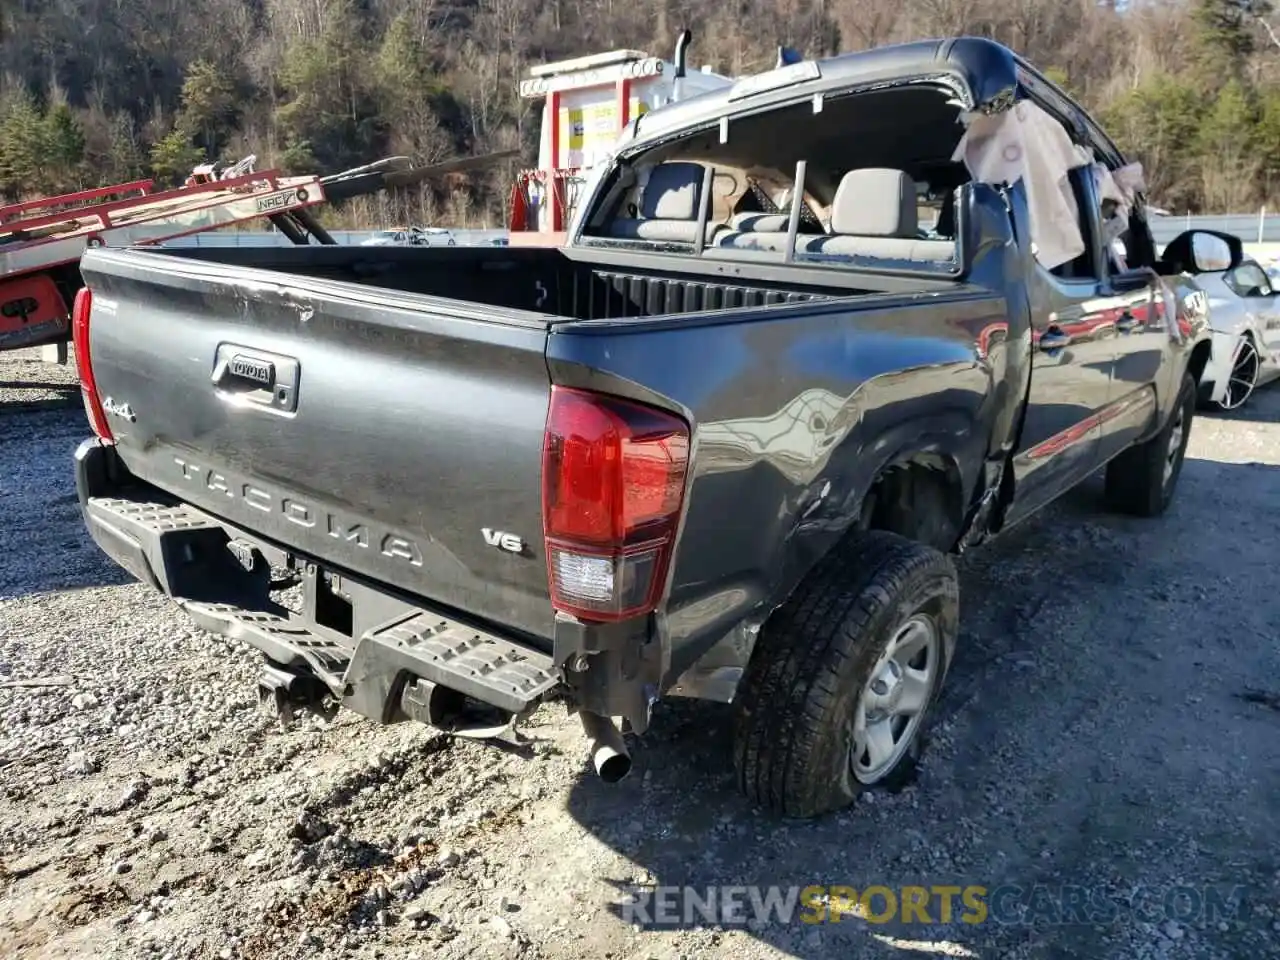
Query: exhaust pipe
{"points": [[609, 753], [681, 63]]}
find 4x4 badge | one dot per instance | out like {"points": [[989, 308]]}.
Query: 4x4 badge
{"points": [[121, 410]]}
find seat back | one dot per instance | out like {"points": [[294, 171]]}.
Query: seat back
{"points": [[874, 215], [668, 206]]}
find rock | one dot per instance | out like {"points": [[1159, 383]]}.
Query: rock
{"points": [[146, 916], [447, 858], [293, 885], [157, 836], [1171, 930], [501, 928], [415, 912], [257, 860], [132, 794], [83, 701], [120, 867], [80, 763]]}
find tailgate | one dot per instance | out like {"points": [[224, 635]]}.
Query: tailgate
{"points": [[392, 435]]}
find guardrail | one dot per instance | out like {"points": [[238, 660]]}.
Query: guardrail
{"points": [[1260, 227]]}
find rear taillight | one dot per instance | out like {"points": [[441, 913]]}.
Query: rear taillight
{"points": [[80, 311], [613, 475]]}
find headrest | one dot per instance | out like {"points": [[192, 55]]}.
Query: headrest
{"points": [[875, 202], [672, 192]]}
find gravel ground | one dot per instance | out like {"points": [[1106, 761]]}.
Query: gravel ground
{"points": [[1111, 724]]}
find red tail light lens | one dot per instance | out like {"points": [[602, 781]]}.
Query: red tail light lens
{"points": [[613, 475], [80, 310]]}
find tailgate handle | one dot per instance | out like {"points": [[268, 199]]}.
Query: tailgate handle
{"points": [[246, 376]]}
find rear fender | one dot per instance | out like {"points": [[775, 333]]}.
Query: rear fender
{"points": [[951, 442]]}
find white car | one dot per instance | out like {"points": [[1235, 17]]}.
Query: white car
{"points": [[412, 237], [1244, 312]]}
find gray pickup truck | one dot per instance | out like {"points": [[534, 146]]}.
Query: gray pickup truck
{"points": [[720, 445]]}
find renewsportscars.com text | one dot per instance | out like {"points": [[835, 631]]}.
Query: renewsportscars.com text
{"points": [[1007, 904]]}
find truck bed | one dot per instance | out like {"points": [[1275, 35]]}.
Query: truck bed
{"points": [[566, 284]]}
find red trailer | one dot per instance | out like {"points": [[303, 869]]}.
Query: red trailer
{"points": [[41, 241]]}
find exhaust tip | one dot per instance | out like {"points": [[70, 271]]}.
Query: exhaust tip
{"points": [[613, 768], [609, 754]]}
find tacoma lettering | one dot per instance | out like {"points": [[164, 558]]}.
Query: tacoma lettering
{"points": [[357, 533], [298, 512]]}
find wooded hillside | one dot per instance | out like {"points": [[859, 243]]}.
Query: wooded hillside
{"points": [[93, 91]]}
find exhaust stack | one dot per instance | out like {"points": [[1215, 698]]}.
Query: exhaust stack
{"points": [[681, 61], [609, 753]]}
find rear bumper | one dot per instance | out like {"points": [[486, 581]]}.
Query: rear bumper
{"points": [[376, 653], [1217, 372]]}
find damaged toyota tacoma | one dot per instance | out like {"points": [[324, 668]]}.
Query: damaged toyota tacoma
{"points": [[810, 336]]}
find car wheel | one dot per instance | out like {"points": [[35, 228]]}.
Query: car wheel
{"points": [[1141, 481], [1244, 375], [837, 694]]}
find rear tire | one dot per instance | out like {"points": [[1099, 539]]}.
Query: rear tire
{"points": [[1141, 481], [858, 653]]}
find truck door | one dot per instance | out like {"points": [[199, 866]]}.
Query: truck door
{"points": [[1142, 348], [1134, 297], [1073, 352]]}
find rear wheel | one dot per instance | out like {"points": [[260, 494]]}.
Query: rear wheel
{"points": [[841, 681], [1141, 481]]}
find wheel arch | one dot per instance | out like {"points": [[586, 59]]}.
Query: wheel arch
{"points": [[920, 495], [1199, 359]]}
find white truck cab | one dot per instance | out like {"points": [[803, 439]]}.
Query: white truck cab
{"points": [[588, 103]]}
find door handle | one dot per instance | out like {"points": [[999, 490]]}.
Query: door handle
{"points": [[1054, 339], [245, 375], [1126, 323]]}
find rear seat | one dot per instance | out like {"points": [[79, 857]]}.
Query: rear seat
{"points": [[874, 215], [759, 222], [758, 231], [668, 206]]}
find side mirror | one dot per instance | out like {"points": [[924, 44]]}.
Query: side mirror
{"points": [[1204, 251], [1210, 253]]}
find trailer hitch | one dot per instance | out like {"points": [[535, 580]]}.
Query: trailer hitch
{"points": [[286, 691], [453, 713]]}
